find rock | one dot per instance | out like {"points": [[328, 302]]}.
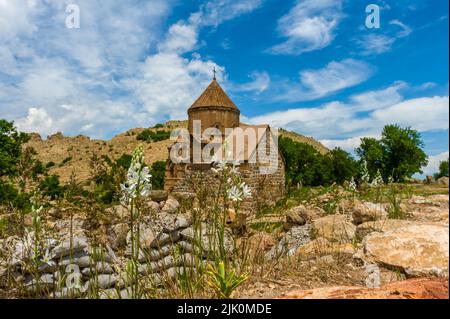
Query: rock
{"points": [[423, 288], [154, 207], [296, 216], [443, 181], [165, 238], [366, 228], [146, 235], [119, 234], [259, 243], [98, 268], [429, 179], [46, 282], [64, 249], [159, 196], [102, 281], [323, 247], [367, 211], [165, 222], [231, 216], [81, 258], [334, 228], [373, 279], [185, 260], [118, 212], [202, 237], [417, 249], [290, 242], [171, 206], [69, 293]]}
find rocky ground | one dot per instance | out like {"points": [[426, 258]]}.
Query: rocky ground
{"points": [[329, 244]]}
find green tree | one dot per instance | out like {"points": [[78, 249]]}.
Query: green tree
{"points": [[371, 150], [398, 153], [158, 171], [11, 143], [403, 153], [343, 166], [443, 170]]}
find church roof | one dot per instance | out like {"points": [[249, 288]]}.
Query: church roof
{"points": [[214, 95]]}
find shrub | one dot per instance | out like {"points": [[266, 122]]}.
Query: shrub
{"points": [[150, 136], [158, 171], [51, 187]]}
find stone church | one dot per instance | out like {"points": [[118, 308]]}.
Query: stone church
{"points": [[216, 110]]}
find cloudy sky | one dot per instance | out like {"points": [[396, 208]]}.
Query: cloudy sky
{"points": [[311, 66]]}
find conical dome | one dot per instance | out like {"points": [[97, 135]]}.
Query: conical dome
{"points": [[214, 95]]}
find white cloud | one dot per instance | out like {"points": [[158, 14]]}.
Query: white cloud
{"points": [[310, 25], [100, 79], [335, 76], [375, 43], [405, 29], [313, 84], [433, 163], [260, 81], [348, 144], [363, 115]]}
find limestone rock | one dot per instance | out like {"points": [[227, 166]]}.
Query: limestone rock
{"points": [[334, 228], [323, 247], [171, 206], [159, 196], [424, 288], [367, 211], [366, 228], [65, 248], [443, 181], [417, 249], [98, 268], [291, 242]]}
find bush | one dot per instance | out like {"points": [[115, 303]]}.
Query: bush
{"points": [[11, 143], [398, 154], [51, 187], [150, 136], [443, 170], [158, 171], [305, 165], [50, 164]]}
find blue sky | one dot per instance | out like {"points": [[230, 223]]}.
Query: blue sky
{"points": [[308, 66]]}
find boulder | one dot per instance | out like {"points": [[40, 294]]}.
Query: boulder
{"points": [[153, 207], [98, 268], [443, 181], [323, 247], [159, 196], [119, 234], [367, 211], [334, 228], [366, 228], [290, 242], [171, 206], [146, 235], [423, 288], [417, 249], [67, 247]]}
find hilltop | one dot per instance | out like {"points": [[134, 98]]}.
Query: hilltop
{"points": [[73, 154]]}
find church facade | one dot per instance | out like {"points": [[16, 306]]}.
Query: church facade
{"points": [[258, 150]]}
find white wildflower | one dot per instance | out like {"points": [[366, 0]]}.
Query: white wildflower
{"points": [[378, 180], [352, 185]]}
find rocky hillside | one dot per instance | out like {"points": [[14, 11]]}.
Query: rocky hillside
{"points": [[72, 154]]}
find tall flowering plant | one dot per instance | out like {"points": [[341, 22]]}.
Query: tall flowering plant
{"points": [[137, 186]]}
